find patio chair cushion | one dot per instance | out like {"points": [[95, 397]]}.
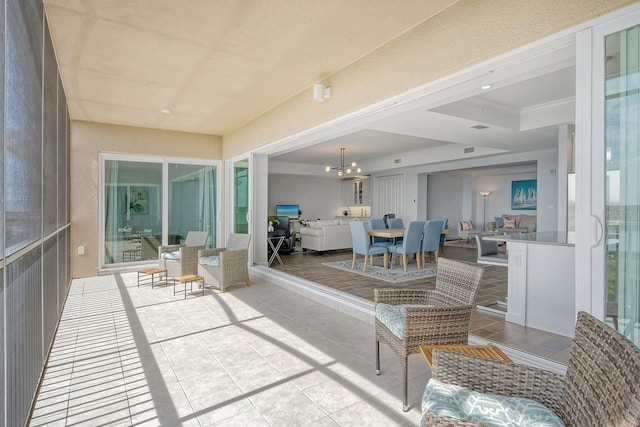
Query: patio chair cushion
{"points": [[171, 255], [213, 260], [484, 408], [392, 316]]}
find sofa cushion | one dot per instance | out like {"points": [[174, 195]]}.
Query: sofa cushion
{"points": [[171, 255], [467, 225], [392, 316], [312, 232], [528, 222], [323, 222], [213, 260], [484, 408], [509, 223]]}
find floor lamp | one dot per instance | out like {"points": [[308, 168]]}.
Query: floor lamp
{"points": [[484, 195]]}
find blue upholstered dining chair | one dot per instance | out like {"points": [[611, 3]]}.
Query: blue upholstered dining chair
{"points": [[377, 224], [445, 223], [411, 243], [362, 245], [396, 223], [431, 239]]}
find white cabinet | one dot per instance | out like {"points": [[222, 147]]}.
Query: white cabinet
{"points": [[356, 192]]}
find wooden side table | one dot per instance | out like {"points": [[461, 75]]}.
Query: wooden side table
{"points": [[148, 276], [132, 254], [487, 351], [188, 279]]}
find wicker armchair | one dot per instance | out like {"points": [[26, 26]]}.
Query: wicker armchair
{"points": [[182, 259], [444, 319], [601, 386], [232, 262]]}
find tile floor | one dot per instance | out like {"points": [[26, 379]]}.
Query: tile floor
{"points": [[259, 356]]}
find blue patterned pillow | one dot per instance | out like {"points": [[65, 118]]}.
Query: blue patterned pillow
{"points": [[392, 316], [487, 409], [499, 222]]}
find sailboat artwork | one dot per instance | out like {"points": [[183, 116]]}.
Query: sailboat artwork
{"points": [[524, 195]]}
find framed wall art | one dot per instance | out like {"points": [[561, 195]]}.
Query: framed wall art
{"points": [[524, 195]]}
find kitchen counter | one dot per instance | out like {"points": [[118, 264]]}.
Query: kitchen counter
{"points": [[541, 237], [541, 280]]}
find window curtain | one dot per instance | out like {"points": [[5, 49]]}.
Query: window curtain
{"points": [[208, 203], [388, 191], [111, 206]]}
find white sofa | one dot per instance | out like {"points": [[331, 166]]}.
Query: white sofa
{"points": [[326, 235]]}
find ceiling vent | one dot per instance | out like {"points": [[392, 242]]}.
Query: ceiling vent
{"points": [[397, 161], [469, 150], [479, 127]]}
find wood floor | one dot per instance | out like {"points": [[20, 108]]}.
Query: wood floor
{"points": [[483, 324]]}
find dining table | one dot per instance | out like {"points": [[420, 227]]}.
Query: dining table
{"points": [[392, 233]]}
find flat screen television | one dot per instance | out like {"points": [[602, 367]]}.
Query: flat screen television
{"points": [[288, 210]]}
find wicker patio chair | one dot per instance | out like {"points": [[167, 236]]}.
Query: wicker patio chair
{"points": [[228, 265], [439, 316], [182, 259], [601, 386]]}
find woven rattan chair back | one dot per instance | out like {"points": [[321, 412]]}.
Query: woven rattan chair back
{"points": [[457, 282], [196, 238], [237, 241], [602, 385]]}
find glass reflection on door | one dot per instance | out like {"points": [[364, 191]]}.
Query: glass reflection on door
{"points": [[133, 210], [192, 201], [622, 192], [241, 196]]}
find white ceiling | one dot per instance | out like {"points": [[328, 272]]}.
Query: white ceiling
{"points": [[219, 64]]}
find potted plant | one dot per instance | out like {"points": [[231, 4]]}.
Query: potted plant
{"points": [[272, 220]]}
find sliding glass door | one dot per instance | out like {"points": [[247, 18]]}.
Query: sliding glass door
{"points": [[148, 202], [611, 289]]}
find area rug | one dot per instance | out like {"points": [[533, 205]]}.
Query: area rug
{"points": [[394, 275], [462, 243]]}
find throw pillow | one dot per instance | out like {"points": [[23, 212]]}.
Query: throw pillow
{"points": [[467, 225], [499, 222], [509, 223]]}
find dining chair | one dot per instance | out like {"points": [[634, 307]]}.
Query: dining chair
{"points": [[396, 223], [405, 319], [445, 224], [378, 224], [363, 246], [411, 243], [431, 240], [182, 259]]}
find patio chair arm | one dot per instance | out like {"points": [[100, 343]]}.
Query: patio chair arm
{"points": [[498, 377], [210, 252], [168, 248], [400, 296], [232, 261]]}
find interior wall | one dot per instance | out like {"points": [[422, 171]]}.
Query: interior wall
{"points": [[444, 200], [87, 141], [499, 201], [317, 197]]}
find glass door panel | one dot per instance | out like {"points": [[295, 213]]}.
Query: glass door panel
{"points": [[192, 201], [132, 210], [241, 196], [622, 192]]}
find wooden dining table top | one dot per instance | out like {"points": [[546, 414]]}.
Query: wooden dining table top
{"points": [[391, 233]]}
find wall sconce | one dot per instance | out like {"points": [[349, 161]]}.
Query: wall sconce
{"points": [[320, 92]]}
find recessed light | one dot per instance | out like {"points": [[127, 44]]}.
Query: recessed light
{"points": [[486, 87], [165, 111]]}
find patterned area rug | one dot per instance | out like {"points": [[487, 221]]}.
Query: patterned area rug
{"points": [[394, 275], [462, 243]]}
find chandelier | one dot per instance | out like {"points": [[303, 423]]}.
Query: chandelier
{"points": [[343, 168]]}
